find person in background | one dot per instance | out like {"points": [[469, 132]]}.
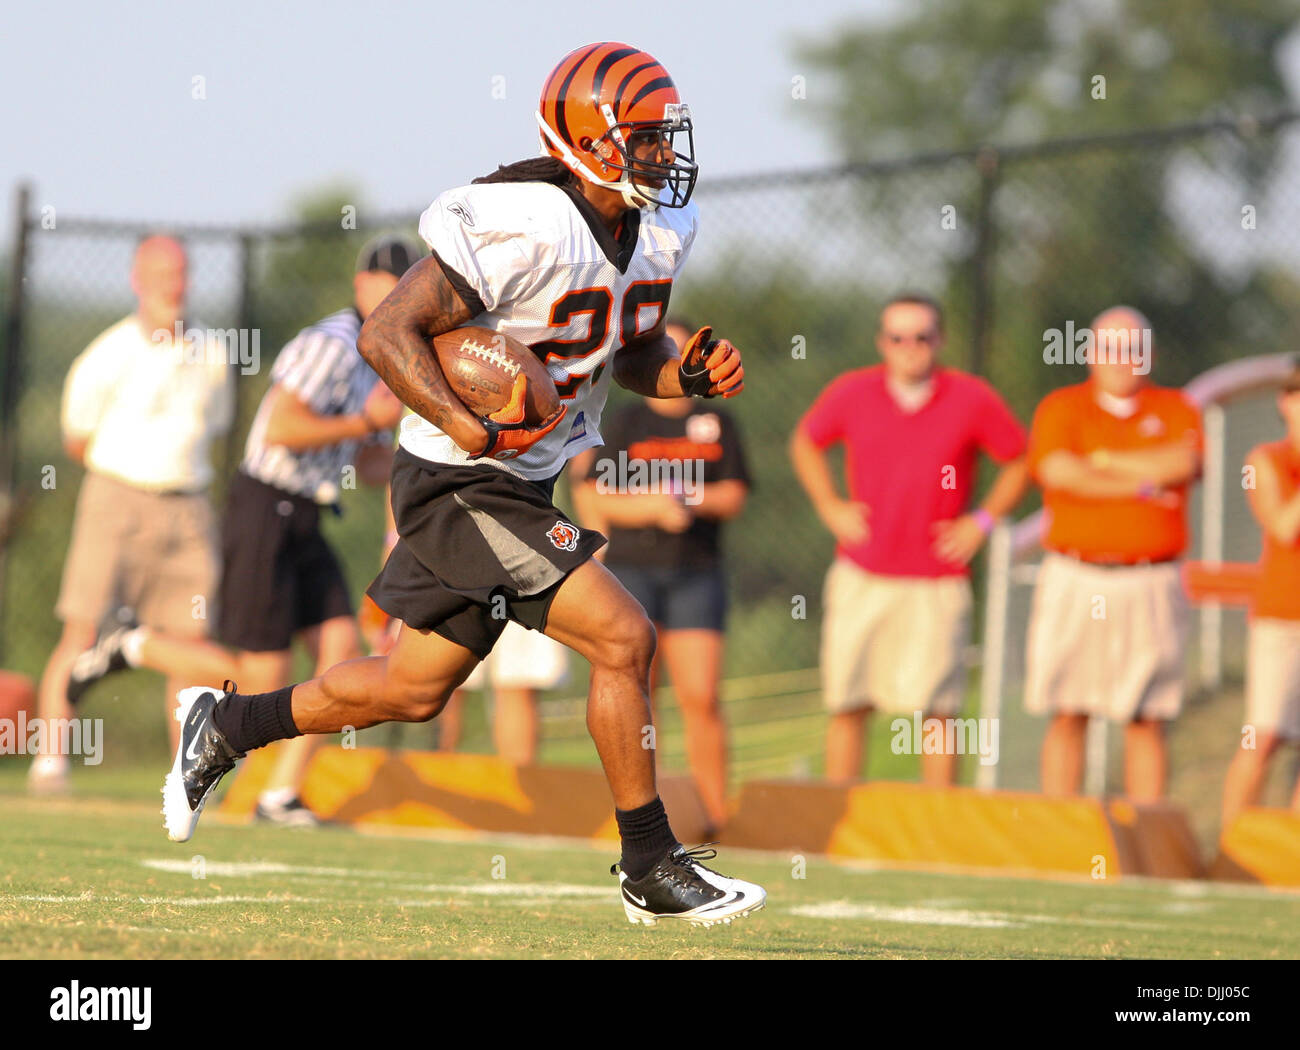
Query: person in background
{"points": [[1273, 648], [1115, 456], [665, 547], [898, 599], [325, 420], [141, 411]]}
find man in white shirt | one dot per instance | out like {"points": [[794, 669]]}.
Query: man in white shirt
{"points": [[141, 409]]}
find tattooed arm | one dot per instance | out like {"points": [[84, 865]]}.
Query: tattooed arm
{"points": [[395, 342]]}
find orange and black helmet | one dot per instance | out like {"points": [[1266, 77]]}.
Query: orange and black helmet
{"points": [[601, 105]]}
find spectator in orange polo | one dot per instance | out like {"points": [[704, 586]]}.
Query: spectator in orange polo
{"points": [[1115, 456], [898, 597], [1273, 649]]}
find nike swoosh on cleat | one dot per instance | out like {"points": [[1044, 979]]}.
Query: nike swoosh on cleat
{"points": [[190, 753], [634, 898]]}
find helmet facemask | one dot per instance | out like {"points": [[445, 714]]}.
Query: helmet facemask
{"points": [[612, 152]]}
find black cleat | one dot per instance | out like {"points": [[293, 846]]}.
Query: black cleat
{"points": [[103, 658], [680, 887], [203, 757]]}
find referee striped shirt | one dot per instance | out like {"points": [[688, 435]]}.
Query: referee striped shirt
{"points": [[321, 367]]}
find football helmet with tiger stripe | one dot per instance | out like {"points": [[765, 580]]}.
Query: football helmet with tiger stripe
{"points": [[601, 107]]}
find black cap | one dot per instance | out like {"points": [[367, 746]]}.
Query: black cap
{"points": [[1291, 381], [389, 253]]}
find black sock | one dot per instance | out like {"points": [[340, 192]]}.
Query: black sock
{"points": [[254, 721], [646, 837]]}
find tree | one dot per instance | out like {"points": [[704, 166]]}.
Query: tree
{"points": [[1150, 221]]}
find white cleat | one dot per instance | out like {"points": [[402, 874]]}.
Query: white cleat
{"points": [[680, 887], [203, 757]]}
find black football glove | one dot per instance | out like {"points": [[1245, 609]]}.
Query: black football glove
{"points": [[710, 367]]}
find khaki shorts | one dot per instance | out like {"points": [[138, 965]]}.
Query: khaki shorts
{"points": [[1273, 677], [1106, 641], [152, 553], [894, 643], [523, 659]]}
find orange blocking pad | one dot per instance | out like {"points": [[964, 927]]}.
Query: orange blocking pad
{"points": [[423, 789], [912, 824], [1261, 845]]}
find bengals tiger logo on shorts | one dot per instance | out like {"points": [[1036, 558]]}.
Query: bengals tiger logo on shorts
{"points": [[563, 536]]}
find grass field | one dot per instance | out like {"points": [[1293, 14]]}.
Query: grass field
{"points": [[95, 877]]}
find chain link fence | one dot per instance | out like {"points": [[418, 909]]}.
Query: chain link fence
{"points": [[1194, 225]]}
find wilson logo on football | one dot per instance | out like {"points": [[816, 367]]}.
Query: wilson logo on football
{"points": [[563, 536]]}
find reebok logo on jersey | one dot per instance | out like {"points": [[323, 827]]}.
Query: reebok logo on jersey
{"points": [[462, 212], [563, 536], [579, 428]]}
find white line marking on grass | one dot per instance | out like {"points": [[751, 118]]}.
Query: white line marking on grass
{"points": [[1078, 920], [918, 916], [1186, 907], [184, 902], [935, 916], [236, 869], [194, 902], [531, 890], [50, 898]]}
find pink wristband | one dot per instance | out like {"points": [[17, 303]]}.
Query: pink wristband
{"points": [[984, 520]]}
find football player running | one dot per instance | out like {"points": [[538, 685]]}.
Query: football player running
{"points": [[573, 253]]}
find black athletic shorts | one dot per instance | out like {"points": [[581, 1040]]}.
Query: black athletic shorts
{"points": [[477, 546], [278, 575]]}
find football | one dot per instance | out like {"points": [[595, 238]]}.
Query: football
{"points": [[17, 695], [482, 366]]}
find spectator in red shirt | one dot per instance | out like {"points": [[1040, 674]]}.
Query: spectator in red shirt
{"points": [[898, 599]]}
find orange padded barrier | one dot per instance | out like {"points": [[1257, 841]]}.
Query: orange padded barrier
{"points": [[422, 789], [904, 824], [1261, 845], [912, 824]]}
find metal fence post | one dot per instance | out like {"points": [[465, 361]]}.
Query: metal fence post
{"points": [[243, 321], [987, 164], [11, 372], [1212, 510], [993, 657]]}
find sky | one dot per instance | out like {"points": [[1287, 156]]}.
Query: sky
{"points": [[106, 119]]}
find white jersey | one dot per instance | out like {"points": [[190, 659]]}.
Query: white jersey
{"points": [[544, 269]]}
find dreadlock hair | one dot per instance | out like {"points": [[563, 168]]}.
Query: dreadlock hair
{"points": [[534, 169]]}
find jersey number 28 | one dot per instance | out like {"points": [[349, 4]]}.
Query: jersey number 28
{"points": [[599, 303]]}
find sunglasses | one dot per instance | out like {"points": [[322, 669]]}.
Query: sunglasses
{"points": [[922, 338]]}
